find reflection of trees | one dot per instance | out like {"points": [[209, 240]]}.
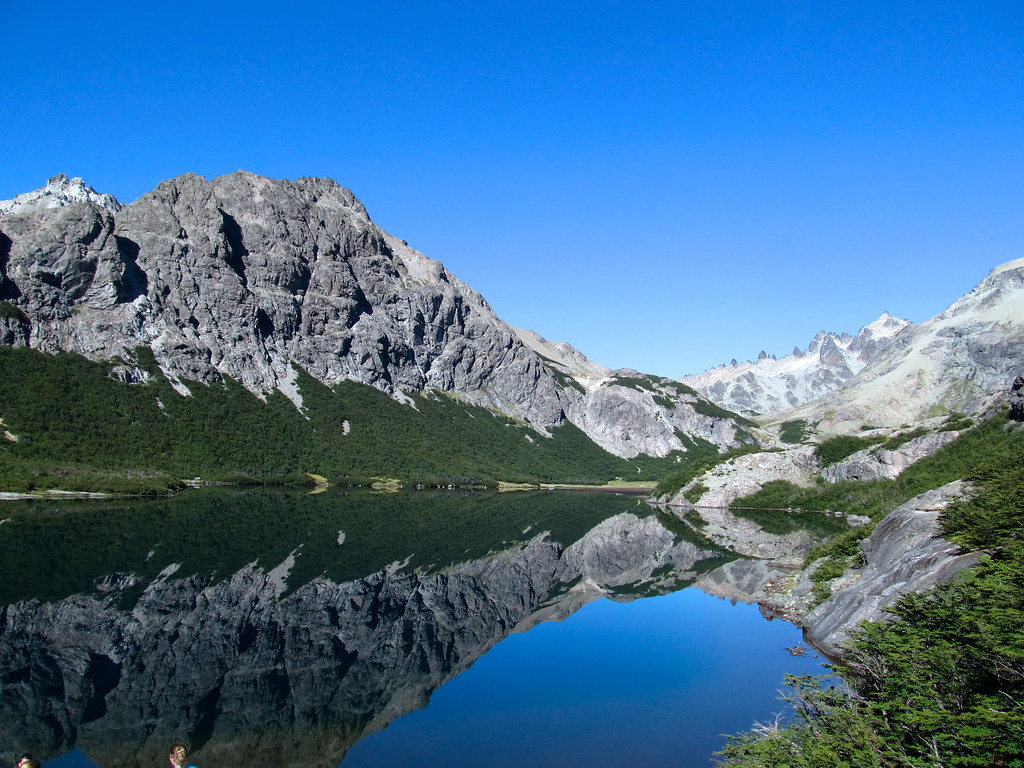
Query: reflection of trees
{"points": [[249, 670]]}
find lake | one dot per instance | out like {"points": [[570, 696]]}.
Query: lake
{"points": [[365, 629]]}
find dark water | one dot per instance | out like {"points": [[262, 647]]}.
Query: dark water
{"points": [[273, 627]]}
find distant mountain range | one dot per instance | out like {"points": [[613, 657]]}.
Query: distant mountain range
{"points": [[963, 360], [769, 384]]}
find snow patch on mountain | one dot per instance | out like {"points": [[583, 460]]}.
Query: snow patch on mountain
{"points": [[60, 191], [962, 360], [769, 384]]}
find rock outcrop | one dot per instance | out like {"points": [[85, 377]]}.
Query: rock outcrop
{"points": [[249, 278], [905, 553], [747, 474], [880, 463]]}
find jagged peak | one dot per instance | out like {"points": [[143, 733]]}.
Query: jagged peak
{"points": [[59, 191], [885, 322]]}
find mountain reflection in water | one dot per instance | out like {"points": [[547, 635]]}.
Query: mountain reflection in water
{"points": [[271, 627]]}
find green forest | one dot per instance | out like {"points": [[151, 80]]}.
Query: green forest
{"points": [[79, 428]]}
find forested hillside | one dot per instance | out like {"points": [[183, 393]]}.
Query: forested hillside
{"points": [[72, 425]]}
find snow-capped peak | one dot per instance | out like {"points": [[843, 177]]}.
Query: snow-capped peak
{"points": [[962, 360], [58, 192], [771, 384]]}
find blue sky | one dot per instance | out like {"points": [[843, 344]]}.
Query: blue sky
{"points": [[664, 185]]}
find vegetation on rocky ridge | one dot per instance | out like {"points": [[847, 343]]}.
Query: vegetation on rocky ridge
{"points": [[943, 684], [78, 428]]}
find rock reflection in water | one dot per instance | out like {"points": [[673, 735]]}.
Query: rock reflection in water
{"points": [[774, 544], [257, 665]]}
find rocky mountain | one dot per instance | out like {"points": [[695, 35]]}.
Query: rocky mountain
{"points": [[253, 278], [963, 360], [768, 384]]}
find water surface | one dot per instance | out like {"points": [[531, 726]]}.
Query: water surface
{"points": [[274, 627]]}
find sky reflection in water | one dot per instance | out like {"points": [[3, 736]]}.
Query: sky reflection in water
{"points": [[650, 682], [294, 677]]}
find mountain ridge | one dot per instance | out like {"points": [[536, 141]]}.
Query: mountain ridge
{"points": [[253, 279], [772, 384]]}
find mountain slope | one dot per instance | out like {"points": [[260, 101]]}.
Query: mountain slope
{"points": [[962, 360], [259, 280], [770, 384]]}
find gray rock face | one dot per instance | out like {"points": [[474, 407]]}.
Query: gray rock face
{"points": [[628, 419], [247, 277], [905, 553], [875, 463], [747, 474], [249, 672]]}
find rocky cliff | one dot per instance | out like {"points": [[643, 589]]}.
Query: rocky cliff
{"points": [[905, 553], [251, 278]]}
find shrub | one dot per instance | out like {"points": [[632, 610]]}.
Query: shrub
{"points": [[835, 449], [794, 432]]}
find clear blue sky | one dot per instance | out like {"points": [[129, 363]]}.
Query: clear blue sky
{"points": [[664, 185]]}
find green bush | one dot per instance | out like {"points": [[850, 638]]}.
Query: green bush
{"points": [[794, 432], [10, 312], [694, 492], [836, 449]]}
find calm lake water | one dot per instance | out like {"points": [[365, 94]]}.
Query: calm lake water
{"points": [[359, 629]]}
